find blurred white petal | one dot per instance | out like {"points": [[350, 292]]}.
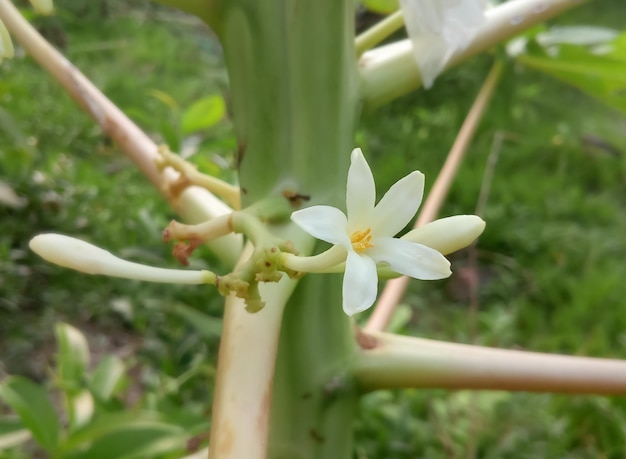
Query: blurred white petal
{"points": [[438, 29]]}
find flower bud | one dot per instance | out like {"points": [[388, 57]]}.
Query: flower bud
{"points": [[449, 234], [81, 256]]}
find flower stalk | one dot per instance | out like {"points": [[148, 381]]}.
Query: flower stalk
{"points": [[189, 175], [379, 31]]}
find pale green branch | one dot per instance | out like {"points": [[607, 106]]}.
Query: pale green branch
{"points": [[247, 359], [391, 71], [242, 398], [392, 361]]}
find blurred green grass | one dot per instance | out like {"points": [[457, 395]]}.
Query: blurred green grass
{"points": [[550, 261]]}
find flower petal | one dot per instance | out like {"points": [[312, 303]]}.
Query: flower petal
{"points": [[360, 283], [410, 258], [360, 191], [398, 205], [323, 222], [440, 28]]}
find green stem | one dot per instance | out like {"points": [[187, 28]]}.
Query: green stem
{"points": [[391, 361], [379, 31], [317, 263]]}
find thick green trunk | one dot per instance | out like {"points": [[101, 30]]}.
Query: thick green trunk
{"points": [[292, 71], [314, 397]]}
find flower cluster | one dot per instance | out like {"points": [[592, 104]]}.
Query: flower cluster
{"points": [[363, 244]]}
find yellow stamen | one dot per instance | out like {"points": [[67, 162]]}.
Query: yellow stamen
{"points": [[361, 240]]}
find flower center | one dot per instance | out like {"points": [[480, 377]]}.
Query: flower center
{"points": [[361, 240]]}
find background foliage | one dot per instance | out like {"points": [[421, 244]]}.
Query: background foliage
{"points": [[549, 268]]}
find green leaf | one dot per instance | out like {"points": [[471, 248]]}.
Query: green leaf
{"points": [[31, 403], [140, 440], [600, 73], [106, 423], [381, 6], [72, 357], [203, 114], [126, 436], [207, 326], [12, 433], [107, 377]]}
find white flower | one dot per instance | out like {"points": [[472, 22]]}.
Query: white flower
{"points": [[440, 28], [367, 233]]}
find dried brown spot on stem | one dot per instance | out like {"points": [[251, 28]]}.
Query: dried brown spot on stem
{"points": [[295, 198], [183, 250]]}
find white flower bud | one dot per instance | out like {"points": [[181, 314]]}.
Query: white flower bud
{"points": [[449, 234], [81, 256]]}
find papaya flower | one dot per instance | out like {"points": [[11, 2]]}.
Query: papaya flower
{"points": [[367, 233]]}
